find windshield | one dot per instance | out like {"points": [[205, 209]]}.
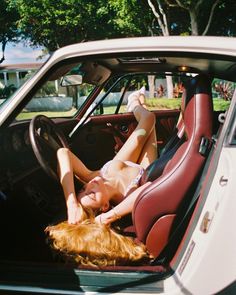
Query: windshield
{"points": [[60, 96], [11, 79]]}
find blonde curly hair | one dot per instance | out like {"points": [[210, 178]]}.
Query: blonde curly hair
{"points": [[93, 244]]}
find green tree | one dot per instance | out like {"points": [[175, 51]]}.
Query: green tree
{"points": [[131, 17], [56, 23], [194, 17], [198, 13], [7, 91], [196, 10], [224, 21], [8, 25]]}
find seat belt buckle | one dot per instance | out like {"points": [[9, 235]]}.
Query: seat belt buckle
{"points": [[204, 146]]}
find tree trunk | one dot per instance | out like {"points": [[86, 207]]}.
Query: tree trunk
{"points": [[151, 85], [194, 23], [163, 23], [169, 83], [4, 43]]}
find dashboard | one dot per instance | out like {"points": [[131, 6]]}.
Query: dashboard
{"points": [[16, 140], [16, 155]]}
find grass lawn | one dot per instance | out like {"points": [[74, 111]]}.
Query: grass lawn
{"points": [[170, 104], [153, 104], [164, 103]]}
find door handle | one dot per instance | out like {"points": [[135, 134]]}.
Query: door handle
{"points": [[223, 181]]}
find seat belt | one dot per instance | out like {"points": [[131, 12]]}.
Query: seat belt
{"points": [[163, 257]]}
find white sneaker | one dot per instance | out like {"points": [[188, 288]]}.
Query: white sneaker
{"points": [[133, 99], [142, 90]]}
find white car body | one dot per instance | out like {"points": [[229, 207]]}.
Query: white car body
{"points": [[206, 260]]}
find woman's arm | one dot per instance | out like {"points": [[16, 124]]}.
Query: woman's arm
{"points": [[80, 170], [70, 165], [122, 209]]}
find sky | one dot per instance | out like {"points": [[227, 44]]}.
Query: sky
{"points": [[16, 53]]}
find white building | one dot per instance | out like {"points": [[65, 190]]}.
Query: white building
{"points": [[15, 74]]}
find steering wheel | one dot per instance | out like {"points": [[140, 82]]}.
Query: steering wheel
{"points": [[46, 139]]}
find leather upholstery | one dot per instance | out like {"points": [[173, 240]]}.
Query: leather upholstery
{"points": [[157, 206]]}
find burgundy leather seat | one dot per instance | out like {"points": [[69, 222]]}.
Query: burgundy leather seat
{"points": [[157, 207]]}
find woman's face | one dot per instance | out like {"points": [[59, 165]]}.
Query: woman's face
{"points": [[94, 195]]}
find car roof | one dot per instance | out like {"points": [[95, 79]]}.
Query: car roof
{"points": [[210, 55]]}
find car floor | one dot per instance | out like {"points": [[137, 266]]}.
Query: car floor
{"points": [[23, 237]]}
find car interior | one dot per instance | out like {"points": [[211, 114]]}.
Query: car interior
{"points": [[31, 196]]}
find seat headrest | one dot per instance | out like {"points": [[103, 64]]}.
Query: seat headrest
{"points": [[199, 84]]}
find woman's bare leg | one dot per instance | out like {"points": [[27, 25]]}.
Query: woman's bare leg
{"points": [[133, 147], [149, 151]]}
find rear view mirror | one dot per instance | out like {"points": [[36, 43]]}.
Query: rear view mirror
{"points": [[71, 80]]}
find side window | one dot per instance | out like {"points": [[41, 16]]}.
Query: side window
{"points": [[55, 100], [162, 92], [222, 93], [114, 95]]}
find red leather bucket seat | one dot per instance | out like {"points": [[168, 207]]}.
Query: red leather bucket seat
{"points": [[157, 207]]}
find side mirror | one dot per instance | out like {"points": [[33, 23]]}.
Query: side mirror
{"points": [[71, 80]]}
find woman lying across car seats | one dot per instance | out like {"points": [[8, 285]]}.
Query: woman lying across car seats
{"points": [[115, 184], [112, 190]]}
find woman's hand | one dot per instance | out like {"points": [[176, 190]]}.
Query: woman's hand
{"points": [[75, 212], [107, 217]]}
